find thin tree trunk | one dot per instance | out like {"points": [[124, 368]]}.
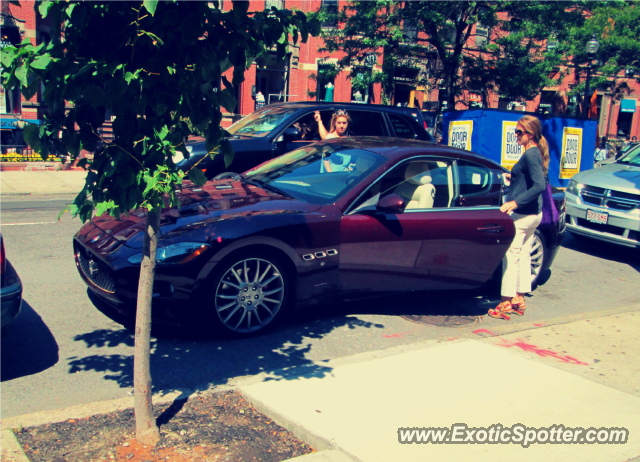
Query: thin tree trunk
{"points": [[146, 429]]}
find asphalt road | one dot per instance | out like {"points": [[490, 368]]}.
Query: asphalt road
{"points": [[61, 351]]}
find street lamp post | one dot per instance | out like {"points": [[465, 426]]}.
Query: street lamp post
{"points": [[592, 49]]}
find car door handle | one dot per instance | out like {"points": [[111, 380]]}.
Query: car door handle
{"points": [[491, 228]]}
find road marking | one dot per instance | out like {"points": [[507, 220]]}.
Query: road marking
{"points": [[22, 224]]}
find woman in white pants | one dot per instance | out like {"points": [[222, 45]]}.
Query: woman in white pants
{"points": [[524, 204]]}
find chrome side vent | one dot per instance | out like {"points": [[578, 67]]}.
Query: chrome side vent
{"points": [[321, 254], [332, 252], [308, 257]]}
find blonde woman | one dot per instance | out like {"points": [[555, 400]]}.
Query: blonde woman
{"points": [[339, 125], [524, 204]]}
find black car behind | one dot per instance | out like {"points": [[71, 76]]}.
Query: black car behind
{"points": [[11, 294], [280, 128]]}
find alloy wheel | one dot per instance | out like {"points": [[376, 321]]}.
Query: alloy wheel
{"points": [[249, 295], [537, 258]]}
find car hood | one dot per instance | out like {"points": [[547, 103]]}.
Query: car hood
{"points": [[621, 177], [239, 143], [215, 201]]}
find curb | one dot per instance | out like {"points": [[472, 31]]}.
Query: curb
{"points": [[328, 451], [2, 194], [86, 410], [11, 449]]}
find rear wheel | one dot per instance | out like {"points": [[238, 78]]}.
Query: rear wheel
{"points": [[249, 295], [538, 257]]}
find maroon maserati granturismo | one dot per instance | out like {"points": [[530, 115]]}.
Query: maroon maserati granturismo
{"points": [[343, 217]]}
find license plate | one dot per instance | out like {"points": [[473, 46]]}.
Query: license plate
{"points": [[597, 217]]}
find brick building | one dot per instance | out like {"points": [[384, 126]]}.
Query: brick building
{"points": [[16, 24], [268, 81]]}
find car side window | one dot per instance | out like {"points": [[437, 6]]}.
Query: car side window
{"points": [[479, 185], [307, 127], [422, 184], [401, 127], [474, 179], [366, 123]]}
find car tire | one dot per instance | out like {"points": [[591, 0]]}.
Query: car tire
{"points": [[249, 295], [538, 257]]}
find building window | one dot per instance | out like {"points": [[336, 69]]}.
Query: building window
{"points": [[9, 101], [325, 82], [552, 42], [330, 7], [547, 98], [475, 100], [482, 35], [279, 4], [360, 86], [625, 117], [409, 31]]}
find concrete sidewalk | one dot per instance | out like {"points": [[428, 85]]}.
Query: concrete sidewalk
{"points": [[575, 373], [41, 183], [538, 378]]}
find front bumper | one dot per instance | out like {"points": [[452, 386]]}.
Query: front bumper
{"points": [[11, 296], [622, 228]]}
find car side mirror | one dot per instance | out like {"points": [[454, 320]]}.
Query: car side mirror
{"points": [[391, 204], [291, 134]]}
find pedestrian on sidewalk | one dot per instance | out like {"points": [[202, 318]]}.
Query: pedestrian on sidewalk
{"points": [[601, 152], [524, 204]]}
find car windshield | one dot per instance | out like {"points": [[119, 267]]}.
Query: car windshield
{"points": [[261, 123], [319, 174], [632, 157]]}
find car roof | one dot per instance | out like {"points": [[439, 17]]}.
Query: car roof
{"points": [[355, 106], [400, 148]]}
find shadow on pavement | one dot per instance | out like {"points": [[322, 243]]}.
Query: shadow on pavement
{"points": [[603, 250], [28, 346], [186, 359], [183, 362], [433, 303]]}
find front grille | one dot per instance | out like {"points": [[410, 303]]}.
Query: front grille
{"points": [[600, 227], [594, 189], [609, 198], [102, 274], [624, 195]]}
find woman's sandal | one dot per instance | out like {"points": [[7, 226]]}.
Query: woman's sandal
{"points": [[518, 308], [501, 311]]}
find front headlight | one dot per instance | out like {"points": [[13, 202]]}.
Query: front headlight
{"points": [[574, 187], [175, 254]]}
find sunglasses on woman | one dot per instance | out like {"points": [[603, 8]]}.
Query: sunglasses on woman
{"points": [[520, 132]]}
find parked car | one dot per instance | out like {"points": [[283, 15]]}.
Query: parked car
{"points": [[343, 217], [604, 203], [283, 127], [11, 291], [615, 155]]}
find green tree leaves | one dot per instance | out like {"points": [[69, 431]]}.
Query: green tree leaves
{"points": [[148, 66], [151, 6], [513, 59]]}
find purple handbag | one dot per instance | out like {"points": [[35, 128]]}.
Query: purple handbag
{"points": [[549, 211]]}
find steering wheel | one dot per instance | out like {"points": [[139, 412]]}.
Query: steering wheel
{"points": [[351, 179]]}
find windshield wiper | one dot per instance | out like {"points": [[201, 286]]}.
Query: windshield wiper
{"points": [[263, 185]]}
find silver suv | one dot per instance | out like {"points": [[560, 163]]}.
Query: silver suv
{"points": [[604, 203]]}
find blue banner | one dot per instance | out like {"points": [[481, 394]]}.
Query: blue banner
{"points": [[572, 141]]}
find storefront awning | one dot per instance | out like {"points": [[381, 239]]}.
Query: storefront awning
{"points": [[12, 123], [628, 105]]}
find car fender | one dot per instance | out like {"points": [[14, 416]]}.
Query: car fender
{"points": [[265, 242]]}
